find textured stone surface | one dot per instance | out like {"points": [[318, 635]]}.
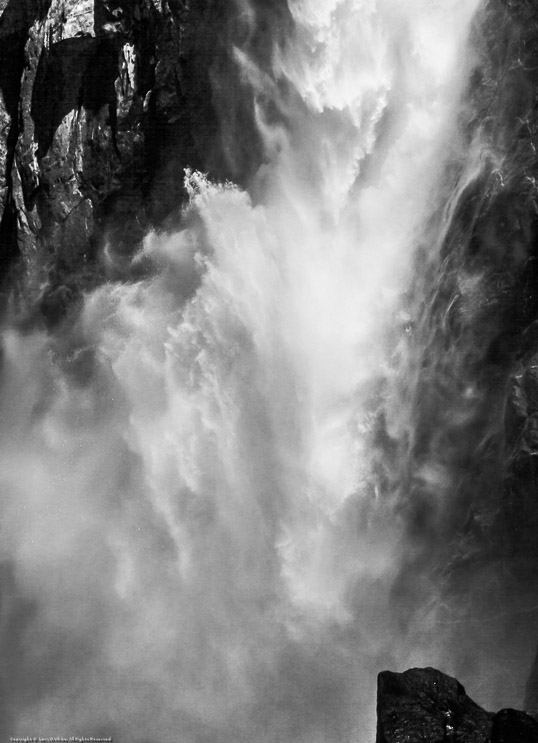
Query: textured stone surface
{"points": [[477, 544], [424, 704], [97, 102]]}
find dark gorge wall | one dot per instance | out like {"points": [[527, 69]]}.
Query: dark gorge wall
{"points": [[476, 395], [103, 103]]}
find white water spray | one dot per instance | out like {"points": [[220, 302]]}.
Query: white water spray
{"points": [[193, 508]]}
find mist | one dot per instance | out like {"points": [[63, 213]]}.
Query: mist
{"points": [[228, 477]]}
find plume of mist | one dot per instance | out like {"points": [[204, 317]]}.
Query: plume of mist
{"points": [[205, 472]]}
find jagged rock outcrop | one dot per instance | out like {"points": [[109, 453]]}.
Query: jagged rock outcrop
{"points": [[102, 105], [423, 704]]}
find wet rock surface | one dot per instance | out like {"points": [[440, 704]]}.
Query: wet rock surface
{"points": [[103, 103], [478, 380], [423, 704]]}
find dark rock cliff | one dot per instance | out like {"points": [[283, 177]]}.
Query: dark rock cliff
{"points": [[478, 336], [103, 103]]}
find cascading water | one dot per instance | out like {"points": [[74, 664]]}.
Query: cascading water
{"points": [[208, 474]]}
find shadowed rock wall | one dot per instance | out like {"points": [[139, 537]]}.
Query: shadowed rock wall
{"points": [[476, 407], [102, 105]]}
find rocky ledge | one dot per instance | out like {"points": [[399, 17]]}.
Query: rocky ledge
{"points": [[423, 704]]}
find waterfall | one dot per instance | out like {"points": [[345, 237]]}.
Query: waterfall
{"points": [[223, 478]]}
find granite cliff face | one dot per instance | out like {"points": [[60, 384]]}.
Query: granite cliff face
{"points": [[103, 103]]}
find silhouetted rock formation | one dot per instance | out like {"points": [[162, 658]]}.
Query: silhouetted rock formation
{"points": [[424, 704]]}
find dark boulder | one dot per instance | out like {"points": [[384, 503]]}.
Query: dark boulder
{"points": [[423, 704]]}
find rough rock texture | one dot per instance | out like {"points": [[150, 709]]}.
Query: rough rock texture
{"points": [[477, 404], [424, 704], [103, 103]]}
